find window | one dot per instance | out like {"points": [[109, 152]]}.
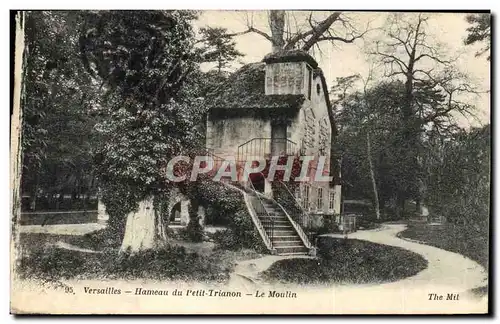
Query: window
{"points": [[297, 192], [331, 203], [319, 204], [305, 200], [318, 89]]}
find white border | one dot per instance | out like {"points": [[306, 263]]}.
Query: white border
{"points": [[190, 4]]}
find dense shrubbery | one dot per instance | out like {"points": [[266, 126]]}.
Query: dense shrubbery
{"points": [[229, 205], [194, 230], [329, 225], [240, 234], [171, 262]]}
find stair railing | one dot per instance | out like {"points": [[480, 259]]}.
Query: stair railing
{"points": [[257, 206], [301, 218], [263, 146]]}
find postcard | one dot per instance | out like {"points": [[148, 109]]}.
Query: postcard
{"points": [[250, 162]]}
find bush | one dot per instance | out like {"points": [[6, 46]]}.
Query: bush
{"points": [[230, 206], [171, 262], [241, 234], [194, 230], [225, 239], [329, 225]]}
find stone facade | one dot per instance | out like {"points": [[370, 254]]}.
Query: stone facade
{"points": [[307, 126]]}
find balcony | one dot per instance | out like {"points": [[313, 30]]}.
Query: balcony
{"points": [[265, 147]]}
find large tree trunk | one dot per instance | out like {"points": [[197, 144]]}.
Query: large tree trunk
{"points": [[372, 176], [277, 25], [144, 229]]}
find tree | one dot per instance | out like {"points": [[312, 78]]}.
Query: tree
{"points": [[459, 176], [368, 124], [58, 108], [431, 84], [219, 47], [479, 32], [143, 61], [287, 33]]}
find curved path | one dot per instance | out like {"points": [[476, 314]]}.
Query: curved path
{"points": [[444, 268], [447, 270]]}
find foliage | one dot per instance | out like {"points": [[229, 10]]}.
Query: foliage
{"points": [[143, 61], [459, 177], [329, 225], [171, 262], [399, 115], [58, 109], [219, 47], [194, 230], [228, 205], [431, 95], [374, 111], [479, 32], [348, 261]]}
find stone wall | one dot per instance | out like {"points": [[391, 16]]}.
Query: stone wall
{"points": [[225, 135]]}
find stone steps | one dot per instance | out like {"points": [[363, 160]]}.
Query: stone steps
{"points": [[291, 249], [290, 243], [285, 239]]}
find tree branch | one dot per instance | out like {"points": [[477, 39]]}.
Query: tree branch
{"points": [[315, 32], [341, 39], [251, 29]]}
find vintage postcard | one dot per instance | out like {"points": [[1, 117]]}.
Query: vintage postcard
{"points": [[250, 162]]}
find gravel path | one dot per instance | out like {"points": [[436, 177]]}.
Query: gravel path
{"points": [[62, 229], [444, 268]]}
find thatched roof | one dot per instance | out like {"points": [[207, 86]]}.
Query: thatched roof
{"points": [[291, 56]]}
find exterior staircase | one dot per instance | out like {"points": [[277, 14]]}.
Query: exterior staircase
{"points": [[280, 233], [284, 237]]}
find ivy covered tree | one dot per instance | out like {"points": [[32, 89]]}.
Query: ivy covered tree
{"points": [[143, 59]]}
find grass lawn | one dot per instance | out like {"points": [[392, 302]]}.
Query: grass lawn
{"points": [[348, 262], [465, 240], [177, 261], [459, 239]]}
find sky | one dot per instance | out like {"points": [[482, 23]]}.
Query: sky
{"points": [[448, 30]]}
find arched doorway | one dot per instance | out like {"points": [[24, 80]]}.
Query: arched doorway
{"points": [[175, 214]]}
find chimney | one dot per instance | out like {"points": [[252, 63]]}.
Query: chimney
{"points": [[289, 73]]}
